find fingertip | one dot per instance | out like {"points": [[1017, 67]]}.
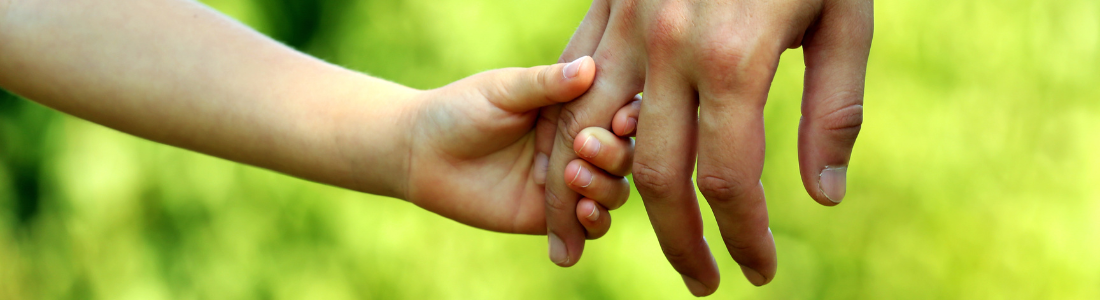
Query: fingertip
{"points": [[577, 77], [625, 122], [573, 69], [572, 171], [587, 145], [558, 253], [762, 270], [586, 210], [823, 161], [698, 289], [604, 150], [594, 217], [754, 276], [625, 127]]}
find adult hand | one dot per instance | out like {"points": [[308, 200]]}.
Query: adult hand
{"points": [[706, 67]]}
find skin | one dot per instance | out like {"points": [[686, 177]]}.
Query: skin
{"points": [[705, 68], [178, 73]]}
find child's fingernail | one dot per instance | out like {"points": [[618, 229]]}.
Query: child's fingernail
{"points": [[594, 215], [833, 181], [572, 69], [631, 124], [557, 249], [583, 177], [590, 148], [542, 163]]}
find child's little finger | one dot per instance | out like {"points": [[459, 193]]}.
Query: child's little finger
{"points": [[605, 150], [595, 218], [593, 183], [625, 122]]}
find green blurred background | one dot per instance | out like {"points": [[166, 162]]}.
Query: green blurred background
{"points": [[976, 176]]}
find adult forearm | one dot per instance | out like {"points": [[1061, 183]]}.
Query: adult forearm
{"points": [[179, 73]]}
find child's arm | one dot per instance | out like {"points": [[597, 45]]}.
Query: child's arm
{"points": [[176, 72]]}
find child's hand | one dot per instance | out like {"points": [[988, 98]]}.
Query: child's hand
{"points": [[465, 151], [599, 149], [472, 150]]}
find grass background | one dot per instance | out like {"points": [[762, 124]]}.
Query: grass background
{"points": [[976, 176]]}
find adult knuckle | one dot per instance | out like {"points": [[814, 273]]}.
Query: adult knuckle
{"points": [[677, 256], [722, 49], [627, 12], [844, 123], [736, 244], [654, 180], [682, 255], [722, 189], [570, 123], [667, 30], [554, 203], [732, 58]]}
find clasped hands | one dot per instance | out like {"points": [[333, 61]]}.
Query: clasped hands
{"points": [[540, 150], [705, 67]]}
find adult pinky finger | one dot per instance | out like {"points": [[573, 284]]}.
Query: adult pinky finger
{"points": [[595, 218]]}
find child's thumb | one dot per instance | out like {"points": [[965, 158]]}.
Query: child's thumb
{"points": [[522, 90]]}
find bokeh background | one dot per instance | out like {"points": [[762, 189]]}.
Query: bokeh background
{"points": [[976, 176]]}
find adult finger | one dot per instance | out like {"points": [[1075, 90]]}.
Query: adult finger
{"points": [[733, 88], [836, 53], [619, 77], [588, 35], [522, 90], [625, 122], [545, 127], [583, 43], [604, 150], [663, 165], [587, 180], [594, 217]]}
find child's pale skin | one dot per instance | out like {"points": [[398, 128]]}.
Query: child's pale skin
{"points": [[178, 73]]}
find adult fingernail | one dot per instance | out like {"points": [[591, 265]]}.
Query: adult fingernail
{"points": [[583, 178], [833, 181], [572, 69], [542, 163], [697, 288], [590, 148], [753, 276], [557, 250], [594, 215]]}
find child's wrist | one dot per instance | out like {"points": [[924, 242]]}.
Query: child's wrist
{"points": [[372, 136]]}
